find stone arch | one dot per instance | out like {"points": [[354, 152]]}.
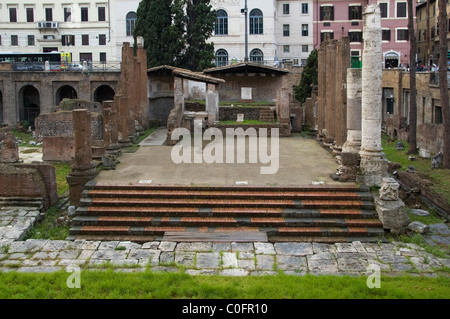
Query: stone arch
{"points": [[104, 93], [29, 104], [65, 92]]}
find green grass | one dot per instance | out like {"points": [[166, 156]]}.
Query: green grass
{"points": [[46, 228], [109, 284], [418, 240], [247, 105], [439, 177], [62, 170], [245, 122], [25, 137], [433, 218], [133, 148]]}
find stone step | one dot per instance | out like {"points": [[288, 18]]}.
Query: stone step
{"points": [[222, 211], [212, 203], [153, 193], [348, 187], [315, 232], [223, 221]]}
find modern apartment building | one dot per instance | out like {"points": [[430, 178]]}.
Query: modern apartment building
{"points": [[333, 19], [277, 30], [81, 27]]}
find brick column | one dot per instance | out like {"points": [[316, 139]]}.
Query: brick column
{"points": [[373, 161], [110, 128], [83, 169], [123, 120]]}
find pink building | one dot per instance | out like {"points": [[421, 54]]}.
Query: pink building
{"points": [[332, 19]]}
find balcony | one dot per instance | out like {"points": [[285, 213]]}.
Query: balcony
{"points": [[48, 25]]}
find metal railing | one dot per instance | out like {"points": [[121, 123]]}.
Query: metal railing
{"points": [[88, 66], [272, 63]]}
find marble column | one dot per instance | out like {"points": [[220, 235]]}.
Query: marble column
{"points": [[354, 86], [373, 161]]}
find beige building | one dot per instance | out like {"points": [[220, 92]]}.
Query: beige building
{"points": [[81, 27]]}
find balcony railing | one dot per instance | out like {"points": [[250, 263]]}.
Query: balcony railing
{"points": [[68, 67], [48, 25]]}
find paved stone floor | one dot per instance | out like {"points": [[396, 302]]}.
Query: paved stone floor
{"points": [[206, 258]]}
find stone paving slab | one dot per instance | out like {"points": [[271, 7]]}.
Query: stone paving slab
{"points": [[210, 258]]}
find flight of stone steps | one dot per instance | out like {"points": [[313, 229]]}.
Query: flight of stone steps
{"points": [[143, 213], [266, 115]]}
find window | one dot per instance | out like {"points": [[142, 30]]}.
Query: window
{"points": [[355, 36], [101, 14], [85, 39], [48, 14], [256, 56], [304, 8], [286, 8], [102, 39], [384, 9], [30, 15], [437, 111], [386, 35], [102, 57], [286, 30], [131, 22], [402, 35], [221, 57], [31, 40], [67, 14], [355, 12], [0, 39], [221, 27], [12, 15], [326, 13], [68, 40], [401, 10], [327, 35], [14, 40], [305, 48], [84, 14], [305, 31], [256, 21], [286, 48]]}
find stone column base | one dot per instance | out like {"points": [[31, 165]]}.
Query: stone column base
{"points": [[77, 178], [373, 170]]}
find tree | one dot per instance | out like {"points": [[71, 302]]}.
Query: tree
{"points": [[443, 82], [309, 78], [153, 23], [200, 17], [412, 133]]}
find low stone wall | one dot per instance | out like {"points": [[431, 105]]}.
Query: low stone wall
{"points": [[284, 130], [29, 181], [413, 180], [230, 113], [53, 150]]}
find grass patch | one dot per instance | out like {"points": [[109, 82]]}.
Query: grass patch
{"points": [[25, 137], [145, 285], [418, 240], [433, 218], [133, 148], [46, 228], [246, 122], [439, 177], [62, 170]]}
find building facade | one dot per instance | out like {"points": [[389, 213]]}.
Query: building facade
{"points": [[81, 27], [332, 19], [277, 31]]}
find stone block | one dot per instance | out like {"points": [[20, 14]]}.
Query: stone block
{"points": [[392, 214], [418, 227], [349, 158], [389, 189]]}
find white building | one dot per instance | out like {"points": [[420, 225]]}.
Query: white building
{"points": [[95, 29], [81, 27], [277, 30]]}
